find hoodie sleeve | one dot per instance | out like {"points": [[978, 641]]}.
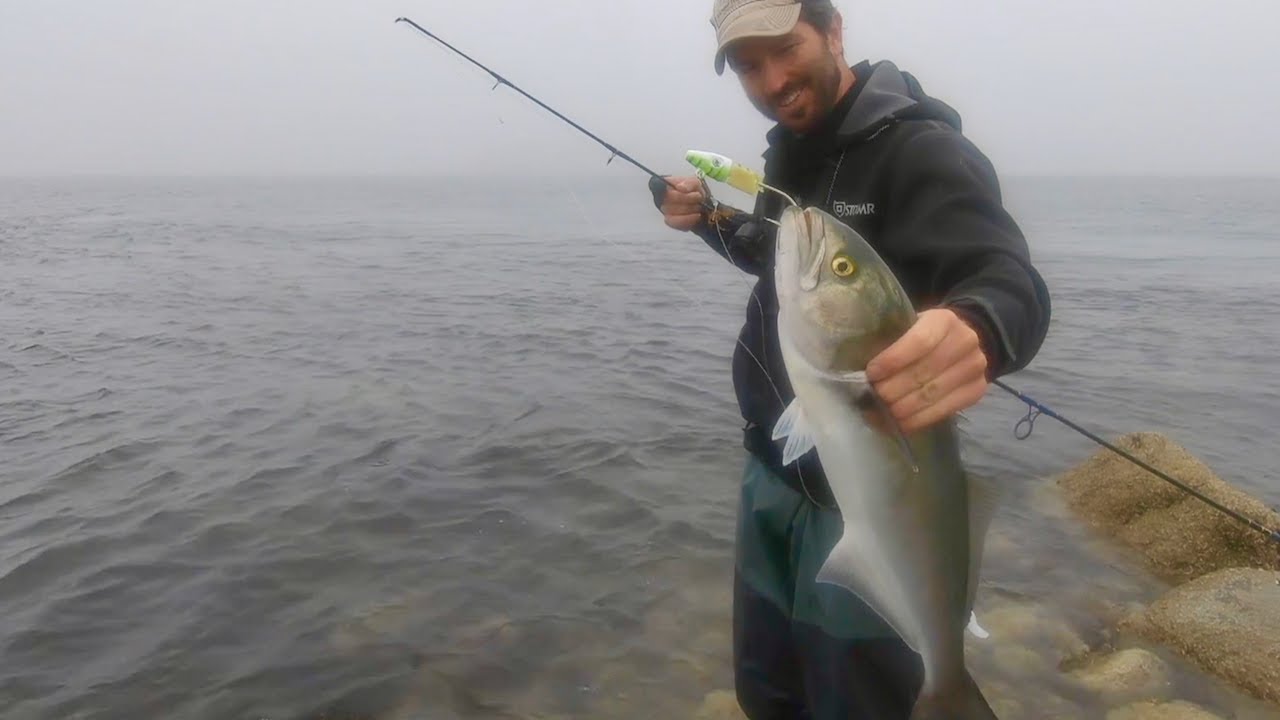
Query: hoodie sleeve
{"points": [[948, 225], [735, 235], [740, 238]]}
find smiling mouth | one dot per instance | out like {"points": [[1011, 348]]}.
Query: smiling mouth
{"points": [[789, 99]]}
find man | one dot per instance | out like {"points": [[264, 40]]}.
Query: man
{"points": [[868, 145]]}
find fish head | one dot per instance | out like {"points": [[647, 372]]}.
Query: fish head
{"points": [[839, 303]]}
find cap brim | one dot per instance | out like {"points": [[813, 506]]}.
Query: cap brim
{"points": [[768, 23]]}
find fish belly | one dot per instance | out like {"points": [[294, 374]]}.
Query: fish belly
{"points": [[904, 550]]}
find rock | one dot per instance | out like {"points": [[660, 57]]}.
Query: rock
{"points": [[1227, 623], [1027, 700], [720, 705], [1181, 536], [1130, 673], [1161, 711], [1004, 701], [1019, 661], [1026, 625]]}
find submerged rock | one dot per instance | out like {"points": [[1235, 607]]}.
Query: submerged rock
{"points": [[1015, 628], [1161, 711], [1132, 673], [1227, 623], [1181, 536], [720, 705]]}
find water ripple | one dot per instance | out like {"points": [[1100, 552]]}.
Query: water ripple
{"points": [[281, 448]]}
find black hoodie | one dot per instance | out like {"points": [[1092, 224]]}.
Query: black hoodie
{"points": [[890, 162]]}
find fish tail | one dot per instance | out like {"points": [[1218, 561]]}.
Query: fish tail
{"points": [[962, 702]]}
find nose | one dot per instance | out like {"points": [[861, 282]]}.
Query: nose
{"points": [[774, 76]]}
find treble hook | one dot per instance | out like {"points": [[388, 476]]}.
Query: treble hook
{"points": [[708, 201]]}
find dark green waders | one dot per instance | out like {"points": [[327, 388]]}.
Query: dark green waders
{"points": [[804, 650]]}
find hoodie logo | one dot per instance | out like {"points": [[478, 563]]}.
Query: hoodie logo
{"points": [[847, 209]]}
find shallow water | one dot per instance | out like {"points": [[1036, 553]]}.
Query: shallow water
{"points": [[401, 448]]}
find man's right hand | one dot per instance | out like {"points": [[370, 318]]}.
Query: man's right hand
{"points": [[682, 206]]}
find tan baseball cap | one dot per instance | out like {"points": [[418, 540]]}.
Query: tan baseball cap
{"points": [[736, 19]]}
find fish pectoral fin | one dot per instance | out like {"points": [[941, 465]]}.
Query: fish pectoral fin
{"points": [[856, 378], [795, 428], [870, 399]]}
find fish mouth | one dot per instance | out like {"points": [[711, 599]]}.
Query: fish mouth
{"points": [[801, 247], [812, 248]]}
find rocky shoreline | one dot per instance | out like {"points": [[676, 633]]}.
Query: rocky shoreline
{"points": [[1219, 612], [1222, 609]]}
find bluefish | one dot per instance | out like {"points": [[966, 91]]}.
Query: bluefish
{"points": [[914, 520]]}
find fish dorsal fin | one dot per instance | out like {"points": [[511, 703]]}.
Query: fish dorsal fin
{"points": [[795, 428]]}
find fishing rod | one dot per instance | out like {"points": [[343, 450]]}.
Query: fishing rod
{"points": [[1026, 426], [500, 80], [720, 168]]}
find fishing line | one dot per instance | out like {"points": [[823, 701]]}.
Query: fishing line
{"points": [[1035, 408], [500, 80], [804, 485]]}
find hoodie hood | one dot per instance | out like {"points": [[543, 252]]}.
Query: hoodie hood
{"points": [[883, 94], [891, 94]]}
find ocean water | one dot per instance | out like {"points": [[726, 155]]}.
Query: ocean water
{"points": [[401, 448]]}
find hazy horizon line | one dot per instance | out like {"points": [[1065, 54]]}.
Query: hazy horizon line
{"points": [[467, 175]]}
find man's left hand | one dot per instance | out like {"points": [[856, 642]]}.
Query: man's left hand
{"points": [[932, 372]]}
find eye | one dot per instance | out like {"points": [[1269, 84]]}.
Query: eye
{"points": [[843, 266]]}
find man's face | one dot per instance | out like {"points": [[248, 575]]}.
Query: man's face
{"points": [[793, 79]]}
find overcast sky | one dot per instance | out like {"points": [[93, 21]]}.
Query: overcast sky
{"points": [[334, 86]]}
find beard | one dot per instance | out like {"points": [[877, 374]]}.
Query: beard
{"points": [[821, 78]]}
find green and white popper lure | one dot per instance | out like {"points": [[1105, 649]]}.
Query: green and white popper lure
{"points": [[722, 169]]}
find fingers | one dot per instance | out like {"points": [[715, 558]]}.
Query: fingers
{"points": [[958, 345], [682, 222], [934, 371], [958, 387], [961, 398], [682, 205], [920, 340], [686, 196]]}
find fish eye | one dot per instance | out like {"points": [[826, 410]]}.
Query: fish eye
{"points": [[843, 266]]}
